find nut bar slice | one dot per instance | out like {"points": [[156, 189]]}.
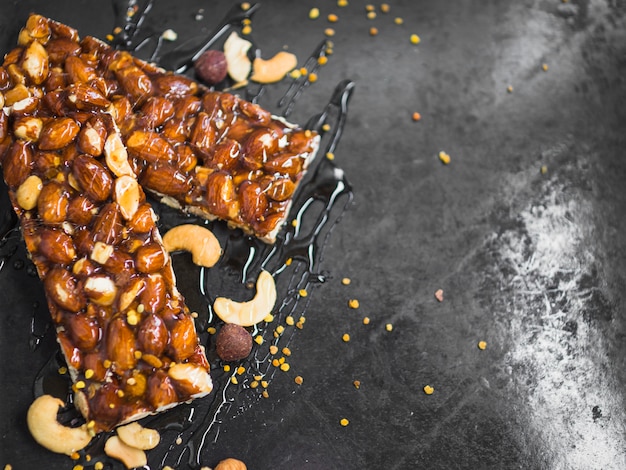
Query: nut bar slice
{"points": [[210, 153], [128, 338]]}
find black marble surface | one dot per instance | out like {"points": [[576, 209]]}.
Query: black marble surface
{"points": [[533, 262]]}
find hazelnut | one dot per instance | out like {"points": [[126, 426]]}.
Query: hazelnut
{"points": [[231, 464], [233, 342], [211, 66]]}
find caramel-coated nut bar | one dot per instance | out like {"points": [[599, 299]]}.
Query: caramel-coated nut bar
{"points": [[128, 338]]}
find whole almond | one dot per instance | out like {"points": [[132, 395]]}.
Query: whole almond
{"points": [[107, 227], [17, 163], [58, 133], [84, 331], [150, 146], [154, 294], [171, 85], [166, 179], [93, 178], [150, 258], [155, 111], [81, 210], [78, 71], [84, 97], [160, 391], [182, 338], [120, 344], [152, 335], [63, 289], [57, 246], [59, 49]]}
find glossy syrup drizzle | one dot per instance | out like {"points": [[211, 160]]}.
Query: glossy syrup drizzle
{"points": [[294, 260]]}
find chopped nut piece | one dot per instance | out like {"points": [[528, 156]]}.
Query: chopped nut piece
{"points": [[169, 35], [439, 295]]}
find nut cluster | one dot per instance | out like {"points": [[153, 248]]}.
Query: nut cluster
{"points": [[74, 108]]}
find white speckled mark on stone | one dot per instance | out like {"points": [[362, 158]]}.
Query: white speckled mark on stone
{"points": [[563, 375]]}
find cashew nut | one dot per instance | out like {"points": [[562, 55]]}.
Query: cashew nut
{"points": [[135, 435], [48, 432], [253, 311], [274, 69], [237, 62], [131, 457], [204, 247]]}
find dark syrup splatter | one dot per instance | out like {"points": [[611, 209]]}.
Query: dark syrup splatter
{"points": [[294, 260]]}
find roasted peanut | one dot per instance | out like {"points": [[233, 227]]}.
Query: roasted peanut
{"points": [[101, 289], [35, 63], [199, 241], [116, 156], [28, 192], [28, 128], [128, 195]]}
